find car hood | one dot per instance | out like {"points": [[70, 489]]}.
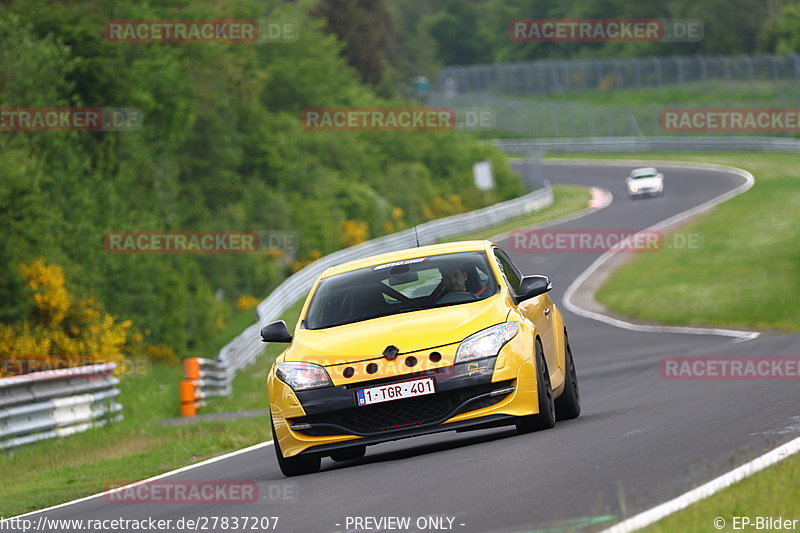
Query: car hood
{"points": [[646, 182], [409, 332]]}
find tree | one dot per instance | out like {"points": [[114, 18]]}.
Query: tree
{"points": [[365, 27]]}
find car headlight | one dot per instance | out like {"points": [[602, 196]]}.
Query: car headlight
{"points": [[486, 343], [634, 188], [302, 376]]}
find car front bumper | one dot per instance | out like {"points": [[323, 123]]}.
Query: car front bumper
{"points": [[646, 192], [503, 389]]}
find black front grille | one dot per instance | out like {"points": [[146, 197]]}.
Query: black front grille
{"points": [[400, 414]]}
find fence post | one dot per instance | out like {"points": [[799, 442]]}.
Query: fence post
{"points": [[703, 71], [657, 65], [618, 72], [188, 398], [679, 63], [749, 62]]}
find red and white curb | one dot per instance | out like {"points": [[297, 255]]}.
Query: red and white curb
{"points": [[600, 198]]}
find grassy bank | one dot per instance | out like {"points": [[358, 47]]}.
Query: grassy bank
{"points": [[772, 492], [745, 275]]}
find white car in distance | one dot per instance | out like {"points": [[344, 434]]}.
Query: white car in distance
{"points": [[645, 182]]}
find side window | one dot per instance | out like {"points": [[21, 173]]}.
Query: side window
{"points": [[512, 275]]}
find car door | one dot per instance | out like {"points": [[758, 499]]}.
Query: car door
{"points": [[537, 310]]}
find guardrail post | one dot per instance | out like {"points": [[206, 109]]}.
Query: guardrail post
{"points": [[188, 397], [191, 368]]}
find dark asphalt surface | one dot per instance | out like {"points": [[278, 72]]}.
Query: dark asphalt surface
{"points": [[640, 440]]}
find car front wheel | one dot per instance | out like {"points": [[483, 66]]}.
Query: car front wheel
{"points": [[294, 466], [546, 418], [568, 405]]}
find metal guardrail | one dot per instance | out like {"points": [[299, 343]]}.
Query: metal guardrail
{"points": [[56, 403], [538, 147], [242, 351], [203, 378]]}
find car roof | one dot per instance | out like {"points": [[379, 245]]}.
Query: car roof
{"points": [[409, 253], [645, 170]]}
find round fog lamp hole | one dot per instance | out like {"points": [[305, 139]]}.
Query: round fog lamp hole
{"points": [[348, 372], [435, 357], [372, 368], [411, 361]]}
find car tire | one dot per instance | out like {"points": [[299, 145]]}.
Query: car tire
{"points": [[294, 466], [568, 405], [349, 454], [546, 418]]}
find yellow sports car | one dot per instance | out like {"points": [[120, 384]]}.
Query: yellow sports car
{"points": [[429, 339]]}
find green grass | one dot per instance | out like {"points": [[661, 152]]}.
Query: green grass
{"points": [[237, 323], [618, 112], [772, 492], [690, 95], [50, 472], [747, 273]]}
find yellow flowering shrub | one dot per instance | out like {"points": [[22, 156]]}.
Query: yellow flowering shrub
{"points": [[162, 353], [62, 331], [313, 255], [443, 207], [246, 301], [354, 232], [50, 296], [396, 223]]}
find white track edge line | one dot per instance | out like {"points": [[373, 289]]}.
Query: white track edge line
{"points": [[154, 478], [705, 206], [663, 510]]}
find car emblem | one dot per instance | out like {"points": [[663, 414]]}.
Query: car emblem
{"points": [[390, 352]]}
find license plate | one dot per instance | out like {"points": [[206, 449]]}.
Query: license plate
{"points": [[395, 391]]}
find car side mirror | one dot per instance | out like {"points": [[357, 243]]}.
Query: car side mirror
{"points": [[276, 332], [531, 286]]}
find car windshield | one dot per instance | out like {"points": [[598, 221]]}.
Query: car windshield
{"points": [[645, 174], [400, 287]]}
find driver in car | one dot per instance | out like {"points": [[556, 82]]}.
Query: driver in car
{"points": [[455, 279]]}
